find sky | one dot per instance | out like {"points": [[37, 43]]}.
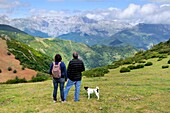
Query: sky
{"points": [[155, 11]]}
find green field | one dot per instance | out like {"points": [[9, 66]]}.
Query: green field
{"points": [[145, 90]]}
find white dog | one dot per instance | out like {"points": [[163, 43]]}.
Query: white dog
{"points": [[90, 91]]}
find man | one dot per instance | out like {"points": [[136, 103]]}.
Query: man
{"points": [[75, 67]]}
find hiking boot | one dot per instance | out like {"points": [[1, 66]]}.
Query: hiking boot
{"points": [[63, 101], [54, 101]]}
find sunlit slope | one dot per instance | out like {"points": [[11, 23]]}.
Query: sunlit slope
{"points": [[143, 90]]}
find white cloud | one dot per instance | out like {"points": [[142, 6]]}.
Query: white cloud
{"points": [[43, 12], [160, 1], [95, 16], [148, 9], [11, 7], [134, 13], [8, 4], [148, 13], [158, 14], [165, 5], [112, 9], [131, 11]]}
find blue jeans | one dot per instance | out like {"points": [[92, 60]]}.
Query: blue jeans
{"points": [[57, 81], [77, 85]]}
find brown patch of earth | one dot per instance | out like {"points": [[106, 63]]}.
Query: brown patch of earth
{"points": [[10, 61]]}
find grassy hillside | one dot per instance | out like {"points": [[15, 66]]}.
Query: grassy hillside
{"points": [[159, 51], [143, 90], [11, 67], [93, 56], [28, 56], [18, 60]]}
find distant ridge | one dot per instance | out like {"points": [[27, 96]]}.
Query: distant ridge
{"points": [[116, 42], [143, 36], [10, 28]]}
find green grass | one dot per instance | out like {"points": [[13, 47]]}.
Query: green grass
{"points": [[145, 90]]}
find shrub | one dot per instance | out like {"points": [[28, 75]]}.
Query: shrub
{"points": [[16, 80], [8, 53], [159, 59], [154, 55], [9, 68], [112, 66], [139, 66], [148, 64], [141, 61], [163, 51], [168, 61], [96, 72], [23, 68], [40, 77], [165, 66], [131, 67], [128, 61], [16, 57], [15, 71], [162, 56], [124, 69]]}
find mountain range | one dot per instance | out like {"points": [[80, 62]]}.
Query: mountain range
{"points": [[36, 53], [93, 56], [142, 36], [56, 26], [91, 32]]}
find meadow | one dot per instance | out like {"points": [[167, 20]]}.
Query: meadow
{"points": [[145, 90]]}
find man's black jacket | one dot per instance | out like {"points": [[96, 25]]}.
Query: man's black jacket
{"points": [[75, 67]]}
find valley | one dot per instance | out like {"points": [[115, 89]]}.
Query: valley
{"points": [[93, 56]]}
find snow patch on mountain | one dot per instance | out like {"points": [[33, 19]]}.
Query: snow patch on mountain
{"points": [[58, 25]]}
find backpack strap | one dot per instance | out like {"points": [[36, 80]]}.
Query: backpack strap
{"points": [[57, 64], [53, 63]]}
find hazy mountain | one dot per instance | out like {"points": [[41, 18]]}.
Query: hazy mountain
{"points": [[143, 36], [10, 28], [58, 26], [86, 38]]}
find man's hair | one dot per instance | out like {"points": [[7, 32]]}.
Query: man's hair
{"points": [[75, 55], [58, 58]]}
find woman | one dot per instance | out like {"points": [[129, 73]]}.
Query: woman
{"points": [[60, 80]]}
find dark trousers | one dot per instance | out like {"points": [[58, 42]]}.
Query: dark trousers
{"points": [[58, 82]]}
